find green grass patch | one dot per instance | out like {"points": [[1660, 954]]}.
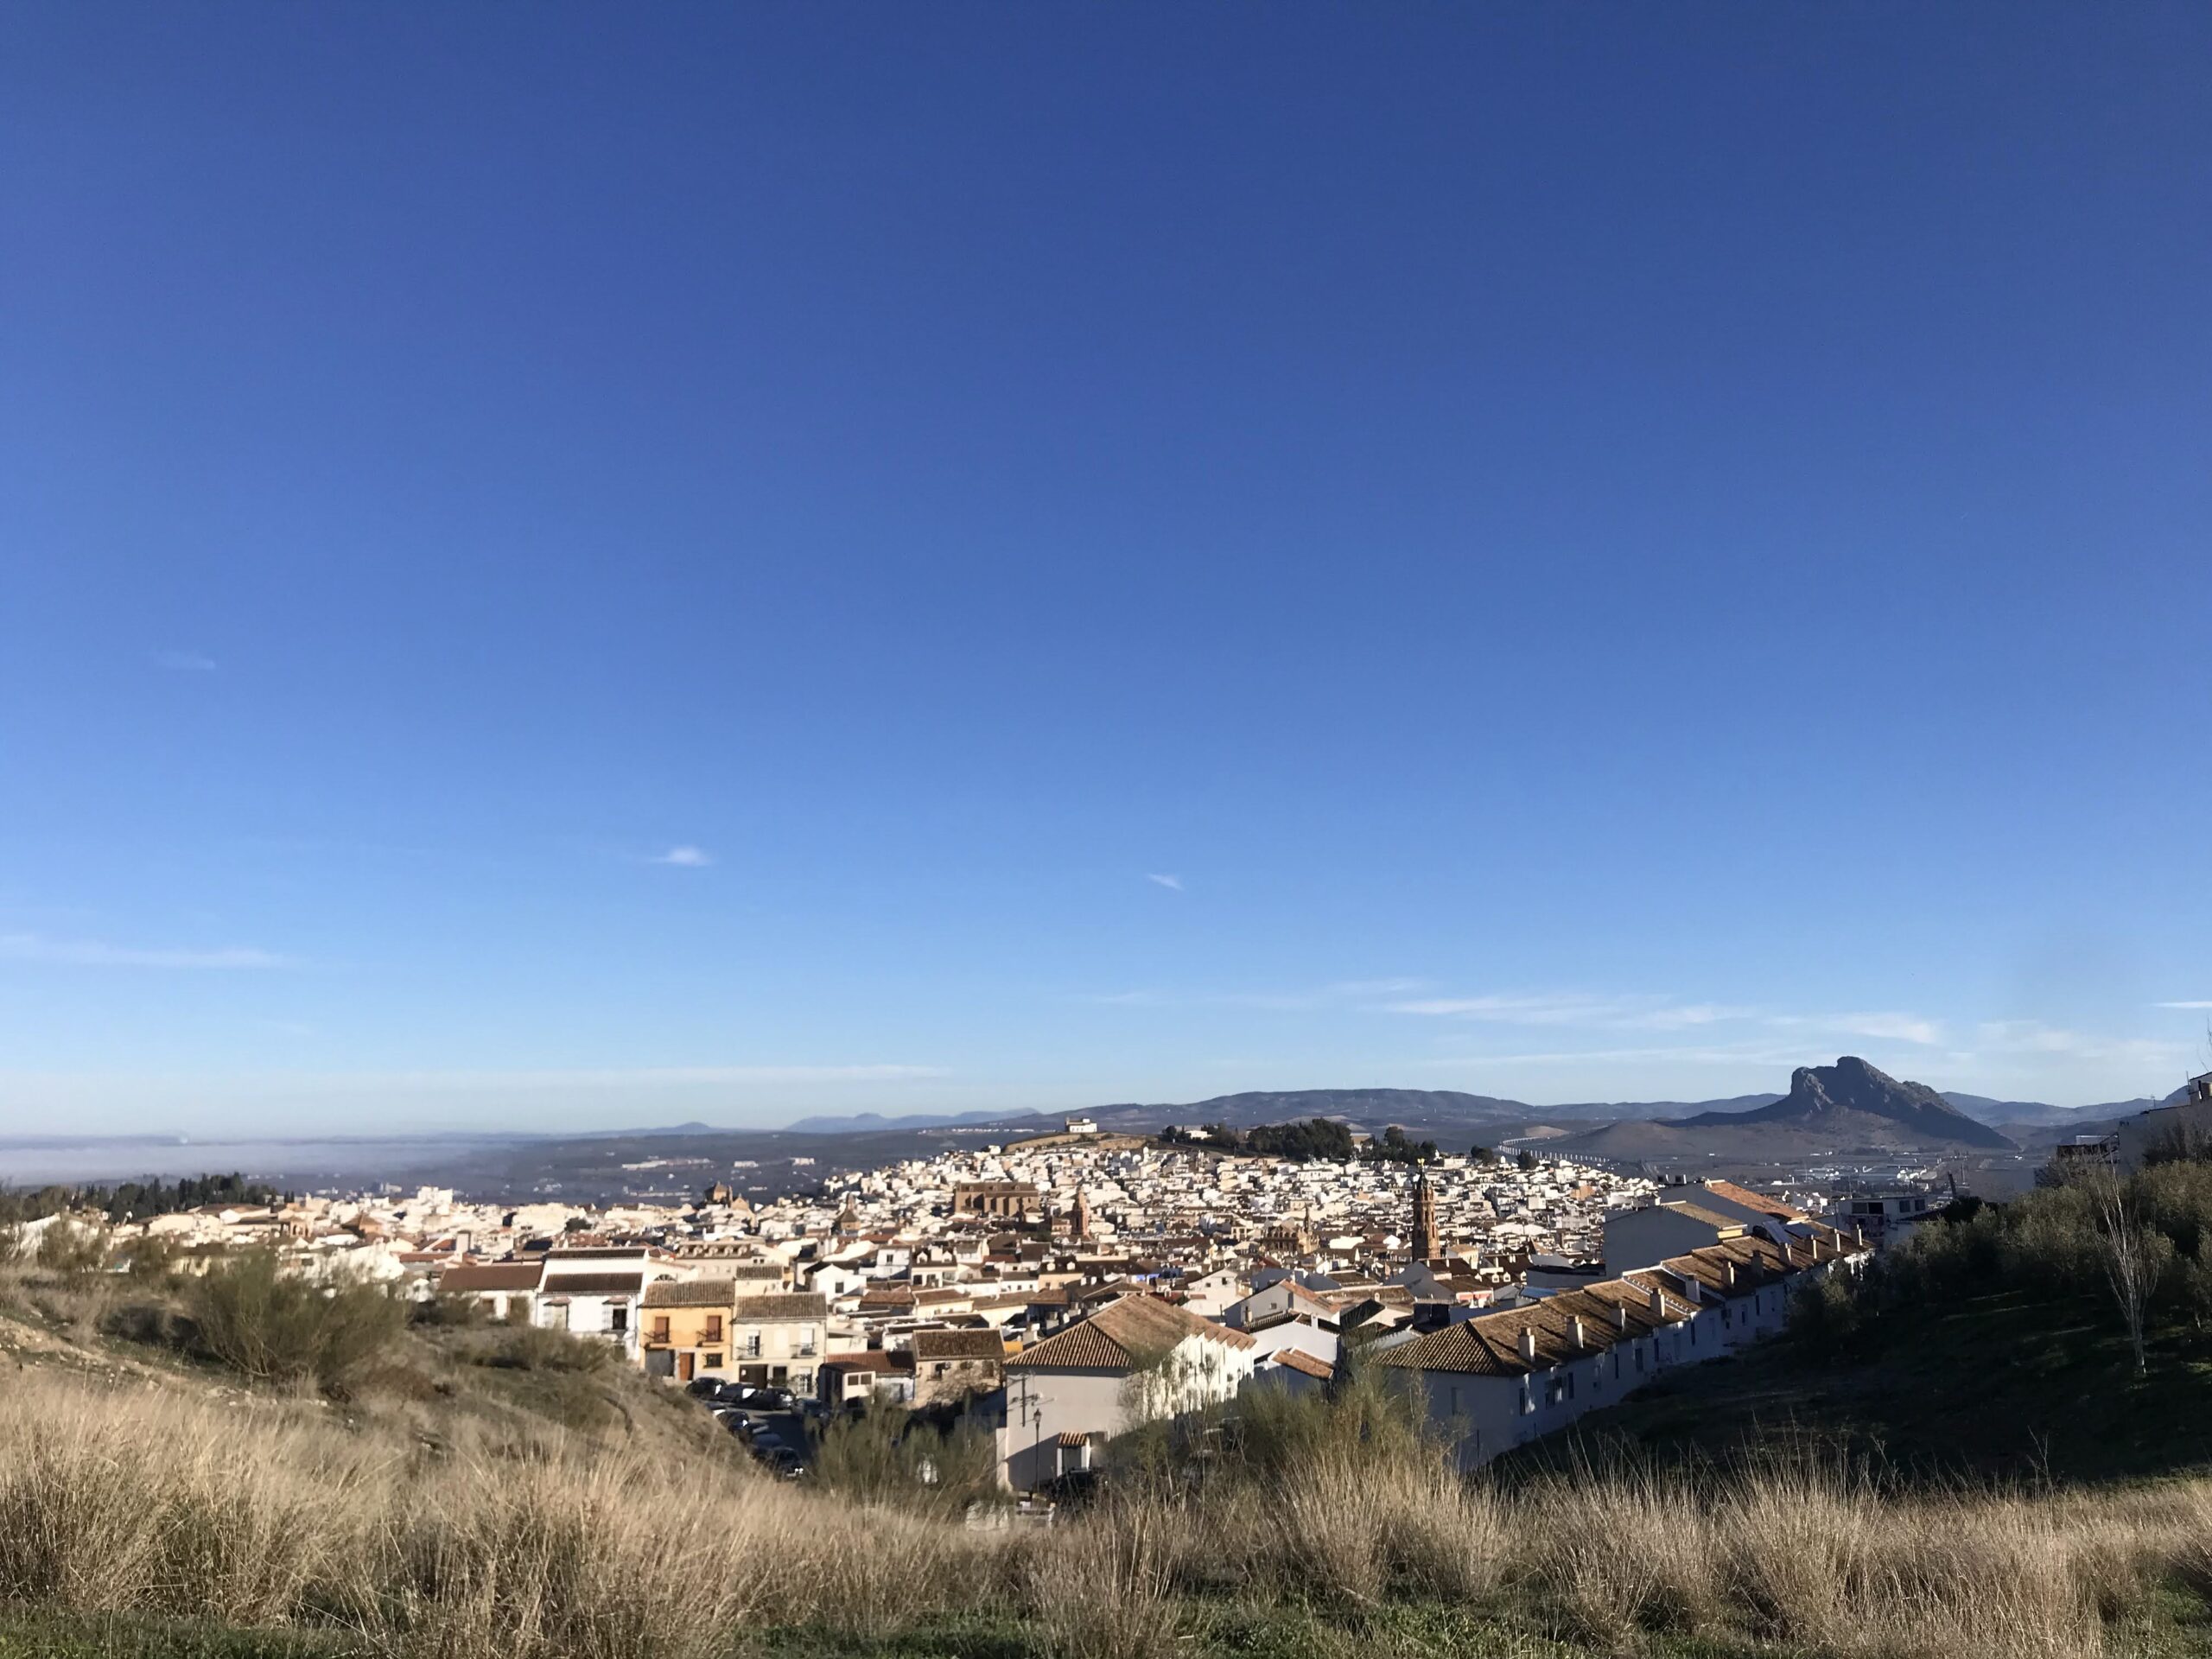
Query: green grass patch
{"points": [[27, 1635], [2007, 1385], [1247, 1630]]}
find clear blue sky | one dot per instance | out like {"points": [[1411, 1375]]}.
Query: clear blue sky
{"points": [[575, 566]]}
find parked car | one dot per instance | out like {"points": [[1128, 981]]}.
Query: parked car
{"points": [[785, 1462], [701, 1387]]}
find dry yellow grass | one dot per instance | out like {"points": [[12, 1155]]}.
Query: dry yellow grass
{"points": [[269, 1512]]}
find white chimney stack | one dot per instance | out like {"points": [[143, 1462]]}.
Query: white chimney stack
{"points": [[1581, 1339], [1528, 1345]]}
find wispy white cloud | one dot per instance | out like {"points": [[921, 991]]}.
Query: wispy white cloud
{"points": [[684, 858], [1886, 1026], [1584, 1010], [1576, 1009], [1683, 1017], [631, 1077], [184, 662], [1511, 1010], [2032, 1036], [1727, 1055], [2206, 1003], [1376, 987], [94, 953], [1342, 991], [1173, 883]]}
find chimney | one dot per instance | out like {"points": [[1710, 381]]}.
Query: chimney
{"points": [[1528, 1344], [1620, 1316], [1730, 1266], [1581, 1338], [1658, 1304]]}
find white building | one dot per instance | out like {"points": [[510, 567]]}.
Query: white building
{"points": [[1500, 1380], [596, 1293], [1134, 1361]]}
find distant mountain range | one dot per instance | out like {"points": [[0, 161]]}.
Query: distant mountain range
{"points": [[1963, 1120], [1983, 1110]]}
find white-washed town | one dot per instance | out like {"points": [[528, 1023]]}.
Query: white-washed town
{"points": [[1059, 1291]]}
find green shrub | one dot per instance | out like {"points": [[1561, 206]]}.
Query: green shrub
{"points": [[535, 1348], [450, 1308], [72, 1247], [1825, 1315], [276, 1327], [886, 1454]]}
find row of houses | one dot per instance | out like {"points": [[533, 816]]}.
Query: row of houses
{"points": [[1055, 1371], [1497, 1380]]}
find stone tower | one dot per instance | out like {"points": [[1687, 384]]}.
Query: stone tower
{"points": [[1423, 1247], [1081, 1215]]}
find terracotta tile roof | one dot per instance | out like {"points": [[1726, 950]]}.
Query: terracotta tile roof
{"points": [[1766, 1203], [595, 1284], [1122, 1336], [930, 1345], [1610, 1311], [1298, 1359], [872, 1359], [794, 1305], [491, 1275], [696, 1292], [1698, 1212], [1462, 1347]]}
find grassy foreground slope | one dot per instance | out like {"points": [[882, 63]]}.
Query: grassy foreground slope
{"points": [[157, 1521], [2011, 1384]]}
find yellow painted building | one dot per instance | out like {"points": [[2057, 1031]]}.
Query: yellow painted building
{"points": [[685, 1328]]}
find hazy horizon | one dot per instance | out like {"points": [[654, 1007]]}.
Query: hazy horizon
{"points": [[546, 1107]]}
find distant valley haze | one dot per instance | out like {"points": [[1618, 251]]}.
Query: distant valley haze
{"points": [[1849, 1111]]}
